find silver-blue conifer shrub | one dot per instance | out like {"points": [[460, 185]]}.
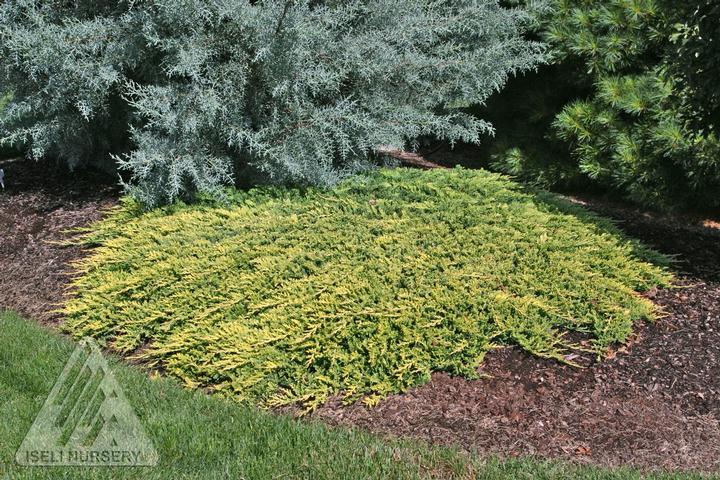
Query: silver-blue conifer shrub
{"points": [[190, 95]]}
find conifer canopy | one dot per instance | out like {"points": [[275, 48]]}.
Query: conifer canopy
{"points": [[189, 95]]}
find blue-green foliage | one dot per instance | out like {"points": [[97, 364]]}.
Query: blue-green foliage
{"points": [[4, 99], [188, 95]]}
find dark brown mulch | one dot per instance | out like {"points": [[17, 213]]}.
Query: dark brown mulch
{"points": [[40, 203], [693, 239], [655, 404]]}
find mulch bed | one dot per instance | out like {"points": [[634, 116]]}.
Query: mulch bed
{"points": [[40, 204], [655, 404]]}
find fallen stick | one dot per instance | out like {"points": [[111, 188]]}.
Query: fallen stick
{"points": [[409, 158]]}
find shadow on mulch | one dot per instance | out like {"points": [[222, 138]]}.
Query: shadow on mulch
{"points": [[654, 404], [40, 203], [694, 240]]}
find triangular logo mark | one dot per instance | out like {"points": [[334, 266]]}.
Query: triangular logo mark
{"points": [[86, 420]]}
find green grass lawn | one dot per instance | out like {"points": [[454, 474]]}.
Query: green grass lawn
{"points": [[207, 438], [283, 296]]}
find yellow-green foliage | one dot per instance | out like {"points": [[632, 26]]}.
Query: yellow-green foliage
{"points": [[289, 296]]}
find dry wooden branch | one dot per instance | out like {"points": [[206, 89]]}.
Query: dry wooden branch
{"points": [[408, 158]]}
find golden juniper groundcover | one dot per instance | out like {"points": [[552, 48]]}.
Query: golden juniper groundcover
{"points": [[282, 296]]}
